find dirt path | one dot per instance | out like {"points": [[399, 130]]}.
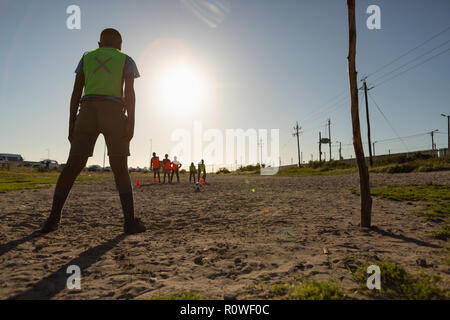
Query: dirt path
{"points": [[221, 241]]}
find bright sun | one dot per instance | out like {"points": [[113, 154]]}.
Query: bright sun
{"points": [[182, 88]]}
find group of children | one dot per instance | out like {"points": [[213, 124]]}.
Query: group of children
{"points": [[171, 168]]}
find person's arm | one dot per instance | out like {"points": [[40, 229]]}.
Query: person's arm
{"points": [[130, 101], [75, 102], [151, 164]]}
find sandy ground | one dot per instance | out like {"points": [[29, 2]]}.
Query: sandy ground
{"points": [[220, 242]]}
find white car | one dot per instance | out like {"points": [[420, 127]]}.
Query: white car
{"points": [[94, 168], [47, 164]]}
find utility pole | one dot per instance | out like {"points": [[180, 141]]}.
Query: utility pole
{"points": [[373, 144], [340, 150], [320, 147], [364, 183], [368, 122], [433, 146], [297, 133], [48, 153], [448, 132], [329, 135]]}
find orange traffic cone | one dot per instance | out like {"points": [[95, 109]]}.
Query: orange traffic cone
{"points": [[154, 180], [137, 182]]}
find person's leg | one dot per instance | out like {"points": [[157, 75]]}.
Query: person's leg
{"points": [[119, 167], [178, 176], [171, 176], [159, 177], [65, 182]]}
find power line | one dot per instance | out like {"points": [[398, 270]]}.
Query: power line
{"points": [[388, 122], [413, 67], [409, 51], [415, 59], [318, 110], [405, 137], [333, 107]]}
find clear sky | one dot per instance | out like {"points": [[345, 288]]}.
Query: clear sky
{"points": [[260, 64]]}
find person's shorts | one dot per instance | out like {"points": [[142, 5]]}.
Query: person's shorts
{"points": [[155, 169], [100, 116], [167, 171]]}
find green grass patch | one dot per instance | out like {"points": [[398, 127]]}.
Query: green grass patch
{"points": [[443, 233], [306, 171], [415, 163], [423, 192], [29, 178], [184, 295], [307, 290], [398, 283], [437, 194]]}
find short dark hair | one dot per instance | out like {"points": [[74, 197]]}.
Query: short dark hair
{"points": [[111, 37]]}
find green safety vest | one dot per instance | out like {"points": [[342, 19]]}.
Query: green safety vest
{"points": [[192, 168], [103, 72], [202, 167]]}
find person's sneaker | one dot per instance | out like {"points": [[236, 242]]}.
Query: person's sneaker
{"points": [[137, 226], [50, 225]]}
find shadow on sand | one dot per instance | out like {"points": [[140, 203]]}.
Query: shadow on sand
{"points": [[51, 285], [404, 238], [4, 248]]}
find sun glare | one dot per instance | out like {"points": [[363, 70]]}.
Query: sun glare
{"points": [[182, 88]]}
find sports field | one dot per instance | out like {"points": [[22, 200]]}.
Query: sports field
{"points": [[243, 237]]}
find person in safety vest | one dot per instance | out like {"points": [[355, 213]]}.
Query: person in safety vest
{"points": [[102, 73], [192, 172], [154, 165], [176, 165], [166, 168], [202, 169]]}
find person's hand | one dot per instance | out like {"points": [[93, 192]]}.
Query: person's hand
{"points": [[129, 131]]}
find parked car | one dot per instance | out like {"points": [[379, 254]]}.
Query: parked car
{"points": [[94, 168], [13, 160], [46, 164], [107, 169]]}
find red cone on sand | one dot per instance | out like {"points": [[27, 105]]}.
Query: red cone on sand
{"points": [[137, 182], [154, 180]]}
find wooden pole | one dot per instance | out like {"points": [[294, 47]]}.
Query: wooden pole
{"points": [[297, 133], [329, 135], [320, 147], [366, 200], [368, 123]]}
